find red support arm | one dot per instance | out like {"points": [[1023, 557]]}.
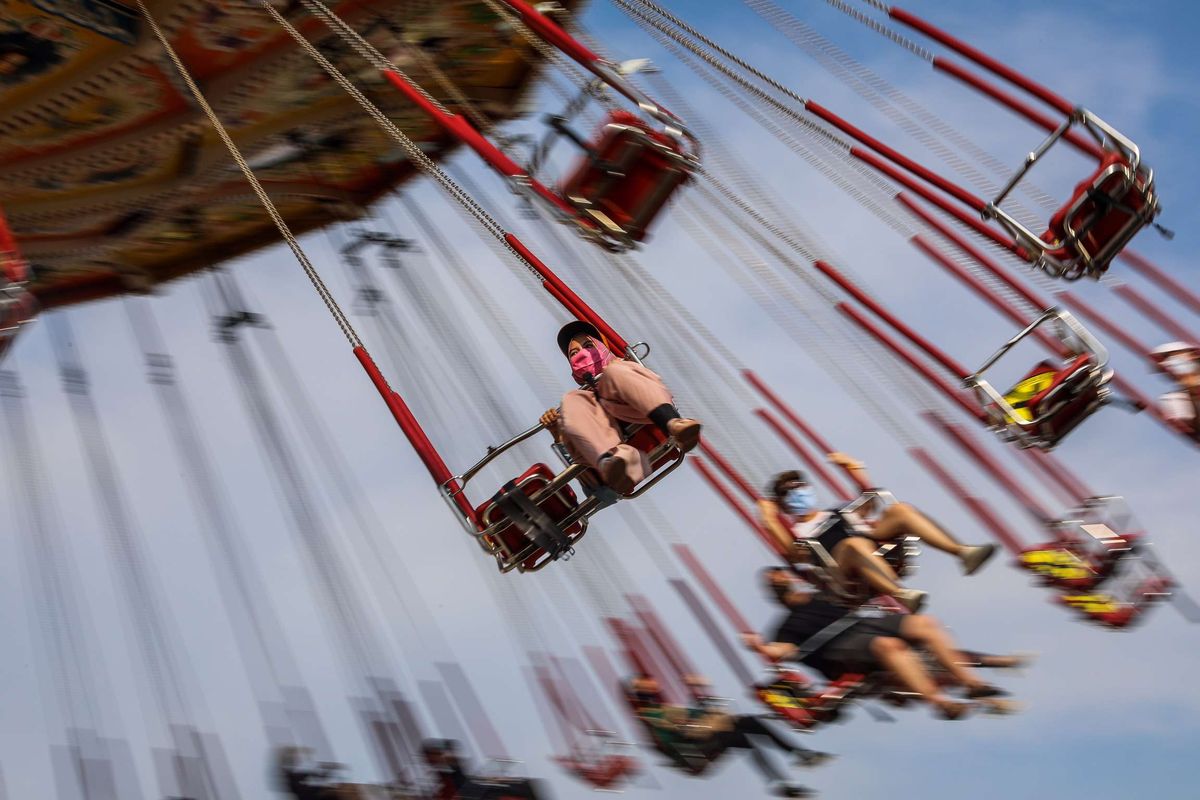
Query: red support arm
{"points": [[1155, 314], [707, 473], [982, 511], [662, 637], [924, 173], [983, 290], [798, 422], [1074, 488], [730, 472], [977, 255], [921, 369], [1007, 99], [714, 590], [460, 128], [813, 463], [416, 436], [715, 635], [971, 221], [571, 301], [784, 409], [969, 446], [982, 59], [933, 351], [1163, 280], [640, 659], [550, 31]]}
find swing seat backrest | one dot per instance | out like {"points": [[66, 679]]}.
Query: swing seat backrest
{"points": [[1105, 211], [1053, 399], [790, 697], [650, 440], [507, 541], [1062, 564], [629, 175]]}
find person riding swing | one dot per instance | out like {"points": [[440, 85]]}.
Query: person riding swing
{"points": [[612, 391], [791, 514], [835, 641]]}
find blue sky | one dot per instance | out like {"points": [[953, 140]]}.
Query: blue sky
{"points": [[1111, 715]]}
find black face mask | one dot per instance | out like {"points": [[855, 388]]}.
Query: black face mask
{"points": [[646, 698]]}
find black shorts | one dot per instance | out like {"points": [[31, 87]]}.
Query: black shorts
{"points": [[850, 650], [835, 534]]}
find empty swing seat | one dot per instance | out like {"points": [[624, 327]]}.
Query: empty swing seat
{"points": [[1051, 400], [629, 174], [1053, 397], [1104, 213]]}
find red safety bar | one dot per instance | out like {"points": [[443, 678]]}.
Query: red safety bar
{"points": [[1135, 395], [963, 440], [982, 59], [813, 463], [982, 511], [917, 365], [1163, 280]]}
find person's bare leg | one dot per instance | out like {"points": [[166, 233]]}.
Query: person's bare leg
{"points": [[856, 558], [926, 631], [898, 658], [902, 519]]}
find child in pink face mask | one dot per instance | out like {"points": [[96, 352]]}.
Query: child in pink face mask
{"points": [[612, 390]]}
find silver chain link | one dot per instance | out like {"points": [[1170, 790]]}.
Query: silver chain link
{"points": [[322, 290]]}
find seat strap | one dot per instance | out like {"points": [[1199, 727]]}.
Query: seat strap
{"points": [[533, 522], [826, 634]]}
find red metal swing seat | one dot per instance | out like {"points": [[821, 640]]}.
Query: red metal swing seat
{"points": [[630, 172], [538, 517], [1064, 395], [1100, 568], [1052, 398], [606, 772], [1104, 213], [793, 698]]}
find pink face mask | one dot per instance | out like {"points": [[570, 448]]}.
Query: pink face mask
{"points": [[589, 361]]}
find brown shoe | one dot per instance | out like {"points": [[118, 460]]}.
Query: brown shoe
{"points": [[615, 474], [685, 432], [952, 709]]}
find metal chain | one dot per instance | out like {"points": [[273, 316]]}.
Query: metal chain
{"points": [[365, 49], [547, 52], [863, 185], [882, 29], [916, 120], [410, 147], [776, 104], [322, 290], [683, 26]]}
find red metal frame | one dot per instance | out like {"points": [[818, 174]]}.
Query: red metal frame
{"points": [[813, 463], [982, 59]]}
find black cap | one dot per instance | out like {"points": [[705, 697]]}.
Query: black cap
{"points": [[575, 328]]}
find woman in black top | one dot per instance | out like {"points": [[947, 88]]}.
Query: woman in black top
{"points": [[829, 639]]}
